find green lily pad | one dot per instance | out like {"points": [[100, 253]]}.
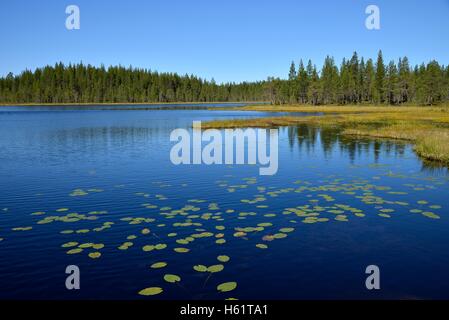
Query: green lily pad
{"points": [[227, 286], [74, 251], [160, 246], [69, 244], [215, 268], [150, 291], [200, 268], [223, 258], [172, 278], [98, 246], [158, 265], [431, 215], [94, 255]]}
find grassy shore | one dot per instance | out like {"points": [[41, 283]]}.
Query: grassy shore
{"points": [[426, 127]]}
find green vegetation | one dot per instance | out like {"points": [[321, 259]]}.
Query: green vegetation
{"points": [[356, 81], [427, 127], [84, 84], [362, 82]]}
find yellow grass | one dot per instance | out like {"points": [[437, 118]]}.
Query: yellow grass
{"points": [[427, 127]]}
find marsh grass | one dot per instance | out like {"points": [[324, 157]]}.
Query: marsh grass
{"points": [[426, 127]]}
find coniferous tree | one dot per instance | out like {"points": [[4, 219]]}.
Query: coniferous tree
{"points": [[380, 79], [392, 84], [329, 81], [292, 72], [314, 87], [303, 83], [404, 81], [356, 81]]}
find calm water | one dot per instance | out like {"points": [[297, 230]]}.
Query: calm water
{"points": [[101, 177]]}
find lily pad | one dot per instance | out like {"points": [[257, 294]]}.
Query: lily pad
{"points": [[431, 215], [223, 258], [158, 265], [151, 291], [94, 255], [200, 268], [215, 268], [227, 286], [172, 278]]}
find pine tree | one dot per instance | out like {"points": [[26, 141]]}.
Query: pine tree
{"points": [[380, 79], [314, 87], [392, 84], [329, 81], [404, 81], [303, 83], [370, 88], [292, 72]]}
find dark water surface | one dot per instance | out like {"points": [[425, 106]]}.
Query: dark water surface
{"points": [[101, 178]]}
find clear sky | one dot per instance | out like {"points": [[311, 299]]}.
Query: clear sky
{"points": [[230, 40]]}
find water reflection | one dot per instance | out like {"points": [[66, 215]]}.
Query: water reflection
{"points": [[307, 138]]}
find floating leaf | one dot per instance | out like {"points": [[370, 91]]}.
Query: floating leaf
{"points": [[151, 291], [98, 246], [223, 258], [69, 244], [94, 255], [148, 248], [74, 251], [215, 268], [158, 265], [431, 215], [86, 245], [38, 213], [160, 246], [172, 278], [227, 286], [200, 268], [279, 235], [261, 246]]}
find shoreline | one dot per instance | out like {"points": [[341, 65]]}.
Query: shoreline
{"points": [[426, 127], [122, 103]]}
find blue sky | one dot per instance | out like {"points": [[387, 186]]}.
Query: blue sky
{"points": [[229, 40]]}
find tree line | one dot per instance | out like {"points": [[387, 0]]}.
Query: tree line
{"points": [[79, 83], [355, 81]]}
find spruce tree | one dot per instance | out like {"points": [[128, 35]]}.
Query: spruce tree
{"points": [[380, 79]]}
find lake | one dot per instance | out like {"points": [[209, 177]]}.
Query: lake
{"points": [[94, 187]]}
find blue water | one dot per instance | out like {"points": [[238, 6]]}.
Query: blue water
{"points": [[120, 160]]}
